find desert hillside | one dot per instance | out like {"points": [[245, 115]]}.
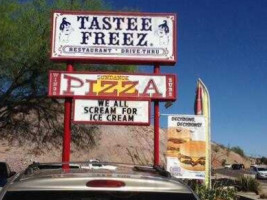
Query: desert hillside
{"points": [[126, 144], [221, 155]]}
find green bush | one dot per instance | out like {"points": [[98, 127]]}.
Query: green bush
{"points": [[223, 162], [219, 190], [205, 193], [263, 160], [263, 195], [238, 150], [216, 149], [248, 184]]}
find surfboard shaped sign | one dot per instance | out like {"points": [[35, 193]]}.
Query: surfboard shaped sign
{"points": [[118, 112], [114, 37], [97, 85]]}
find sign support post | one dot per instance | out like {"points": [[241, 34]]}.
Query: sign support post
{"points": [[150, 39], [67, 127], [156, 124]]}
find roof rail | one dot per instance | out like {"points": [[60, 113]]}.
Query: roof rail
{"points": [[162, 171], [39, 166], [75, 165], [156, 168], [31, 168]]}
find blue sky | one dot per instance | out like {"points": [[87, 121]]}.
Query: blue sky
{"points": [[223, 42]]}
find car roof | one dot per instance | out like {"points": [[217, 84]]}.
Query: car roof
{"points": [[135, 178]]}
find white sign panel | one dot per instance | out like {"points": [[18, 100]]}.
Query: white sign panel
{"points": [[111, 112], [186, 147], [108, 37], [112, 86]]}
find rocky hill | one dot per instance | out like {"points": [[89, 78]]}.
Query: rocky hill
{"points": [[126, 144], [222, 155]]}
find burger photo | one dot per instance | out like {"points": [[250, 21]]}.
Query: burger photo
{"points": [[192, 155], [176, 137]]}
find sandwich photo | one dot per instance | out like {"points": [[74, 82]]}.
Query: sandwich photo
{"points": [[176, 137], [192, 155]]}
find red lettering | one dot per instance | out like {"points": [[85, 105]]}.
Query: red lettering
{"points": [[151, 86], [70, 80], [132, 85], [91, 88]]}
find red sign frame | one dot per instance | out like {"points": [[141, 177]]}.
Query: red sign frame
{"points": [[114, 123], [55, 85], [114, 59]]}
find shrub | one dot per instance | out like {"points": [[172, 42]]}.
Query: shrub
{"points": [[263, 195], [223, 162], [238, 150], [248, 184], [222, 146], [216, 149], [217, 191], [263, 160]]}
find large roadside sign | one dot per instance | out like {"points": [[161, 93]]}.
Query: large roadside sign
{"points": [[114, 37], [186, 146], [96, 85], [111, 112]]}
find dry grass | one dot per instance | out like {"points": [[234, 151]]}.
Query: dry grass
{"points": [[263, 195]]}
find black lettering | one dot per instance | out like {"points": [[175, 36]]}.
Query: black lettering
{"points": [[115, 104], [106, 23], [118, 20], [95, 24], [91, 109], [85, 110], [129, 110], [85, 37], [132, 26], [107, 111], [99, 36], [146, 24], [107, 103], [131, 118], [128, 39], [113, 38], [142, 41], [100, 103], [82, 21], [113, 110], [125, 104]]}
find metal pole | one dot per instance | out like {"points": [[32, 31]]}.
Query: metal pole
{"points": [[156, 124], [67, 127]]}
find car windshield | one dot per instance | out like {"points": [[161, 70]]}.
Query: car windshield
{"points": [[89, 195]]}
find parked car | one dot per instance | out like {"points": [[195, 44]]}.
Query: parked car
{"points": [[127, 182], [259, 171], [237, 166], [228, 166], [5, 173], [96, 164]]}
